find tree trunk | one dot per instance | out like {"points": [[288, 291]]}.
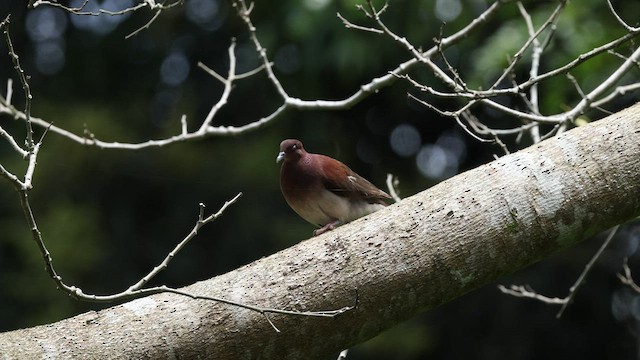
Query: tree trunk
{"points": [[410, 257]]}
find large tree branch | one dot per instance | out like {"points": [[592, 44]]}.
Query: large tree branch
{"points": [[413, 256]]}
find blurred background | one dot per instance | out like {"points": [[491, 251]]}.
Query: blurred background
{"points": [[109, 216]]}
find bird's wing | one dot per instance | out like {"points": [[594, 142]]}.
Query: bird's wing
{"points": [[341, 180]]}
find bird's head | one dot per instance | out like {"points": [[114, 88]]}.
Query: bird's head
{"points": [[290, 149]]}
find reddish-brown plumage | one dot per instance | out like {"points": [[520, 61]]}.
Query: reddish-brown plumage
{"points": [[324, 191]]}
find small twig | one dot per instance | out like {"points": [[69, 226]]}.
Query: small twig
{"points": [[145, 26], [537, 48], [137, 290], [228, 85], [212, 72], [183, 124], [199, 224], [553, 18], [622, 22], [80, 10], [627, 279], [23, 153], [77, 10], [522, 291], [9, 90], [526, 292], [289, 103], [530, 118], [343, 354], [23, 79], [576, 85], [244, 11], [504, 147], [580, 281], [618, 91], [349, 25], [454, 73], [392, 184], [464, 127]]}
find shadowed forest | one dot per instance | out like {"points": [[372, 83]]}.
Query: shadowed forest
{"points": [[108, 216]]}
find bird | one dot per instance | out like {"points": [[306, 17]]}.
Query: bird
{"points": [[323, 190]]}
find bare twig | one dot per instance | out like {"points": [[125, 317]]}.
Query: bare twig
{"points": [[526, 292], [622, 22], [392, 184], [617, 92], [136, 290], [343, 354], [13, 143], [23, 80], [349, 25], [145, 26], [289, 102], [553, 18], [472, 97], [537, 49], [199, 224], [80, 10], [627, 279]]}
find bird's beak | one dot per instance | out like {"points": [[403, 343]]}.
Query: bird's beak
{"points": [[280, 157]]}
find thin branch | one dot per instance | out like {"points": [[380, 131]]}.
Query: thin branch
{"points": [[199, 224], [622, 22], [475, 97], [553, 18], [183, 124], [627, 279], [580, 281], [605, 85], [23, 80], [77, 10], [80, 9], [575, 85], [526, 292], [23, 153], [617, 92], [454, 72], [244, 12], [349, 25], [227, 89], [392, 184], [536, 54], [289, 103], [136, 290], [502, 145], [466, 129], [460, 91], [145, 26]]}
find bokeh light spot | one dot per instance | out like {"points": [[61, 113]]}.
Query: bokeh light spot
{"points": [[436, 162], [49, 57], [45, 23], [174, 69], [448, 10], [405, 140]]}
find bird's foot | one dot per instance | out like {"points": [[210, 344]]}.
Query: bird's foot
{"points": [[330, 226]]}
